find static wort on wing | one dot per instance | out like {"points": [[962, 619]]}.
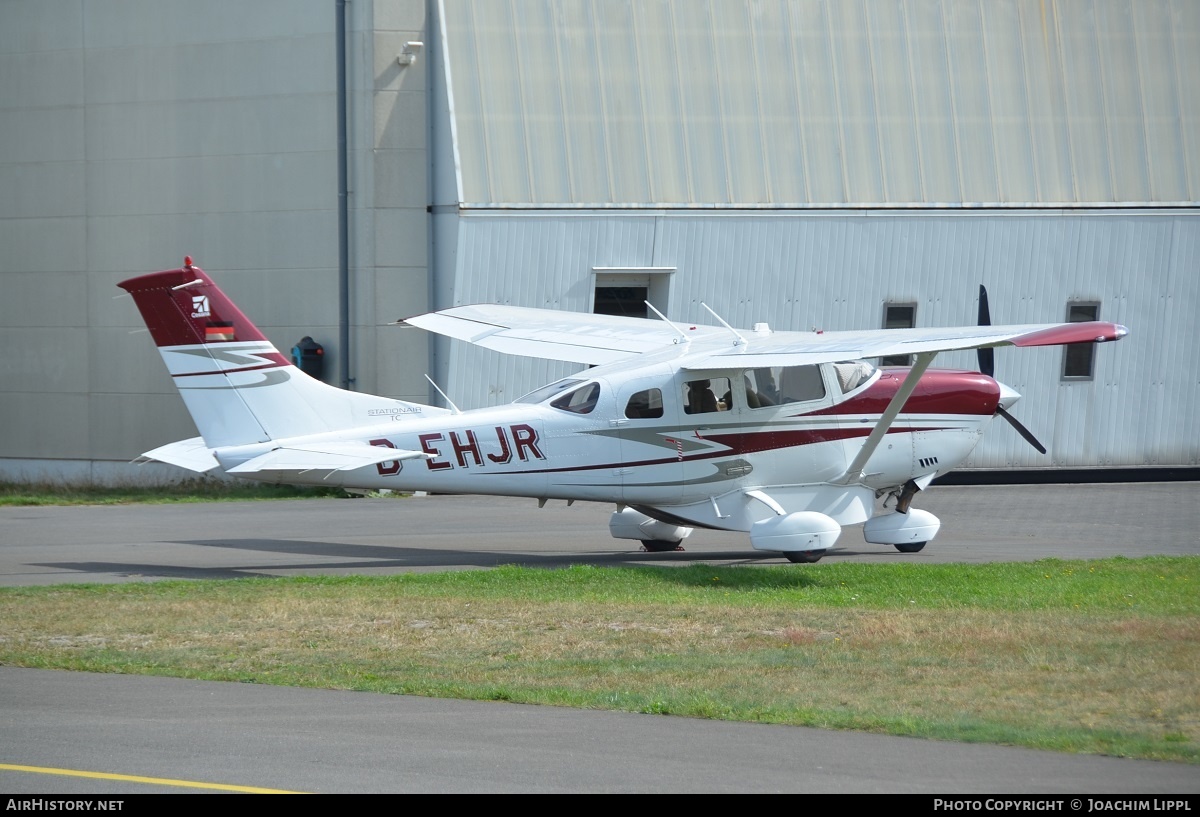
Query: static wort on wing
{"points": [[780, 435]]}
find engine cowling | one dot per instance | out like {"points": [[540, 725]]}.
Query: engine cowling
{"points": [[901, 528], [804, 530], [629, 524]]}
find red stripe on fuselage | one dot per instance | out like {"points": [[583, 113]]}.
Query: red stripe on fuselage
{"points": [[739, 443]]}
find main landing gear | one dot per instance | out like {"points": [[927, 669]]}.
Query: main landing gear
{"points": [[660, 546], [805, 557]]}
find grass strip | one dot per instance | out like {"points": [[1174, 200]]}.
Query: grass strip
{"points": [[1095, 657]]}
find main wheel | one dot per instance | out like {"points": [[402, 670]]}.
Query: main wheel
{"points": [[910, 547], [660, 545], [804, 557]]}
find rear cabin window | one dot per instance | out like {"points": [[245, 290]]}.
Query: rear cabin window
{"points": [[645, 404], [580, 401], [778, 385]]}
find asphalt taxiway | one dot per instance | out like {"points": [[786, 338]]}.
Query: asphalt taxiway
{"points": [[53, 545], [109, 735]]}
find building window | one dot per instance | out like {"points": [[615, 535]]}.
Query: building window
{"points": [[1079, 358], [625, 290], [628, 301], [898, 316]]}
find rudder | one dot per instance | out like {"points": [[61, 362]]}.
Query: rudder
{"points": [[236, 385]]}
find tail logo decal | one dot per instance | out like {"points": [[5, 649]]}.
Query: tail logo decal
{"points": [[200, 308]]}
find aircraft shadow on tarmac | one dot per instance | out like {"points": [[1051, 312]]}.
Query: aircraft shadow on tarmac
{"points": [[400, 559]]}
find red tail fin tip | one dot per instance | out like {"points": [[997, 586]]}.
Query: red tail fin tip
{"points": [[183, 307]]}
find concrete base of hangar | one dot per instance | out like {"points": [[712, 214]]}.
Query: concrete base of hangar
{"points": [[96, 473]]}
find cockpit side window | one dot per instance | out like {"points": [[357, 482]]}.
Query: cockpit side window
{"points": [[700, 396], [800, 383], [580, 401], [645, 404], [776, 385]]}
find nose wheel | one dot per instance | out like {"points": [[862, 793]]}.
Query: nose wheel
{"points": [[910, 547]]}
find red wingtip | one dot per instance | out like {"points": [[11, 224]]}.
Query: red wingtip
{"points": [[1084, 332]]}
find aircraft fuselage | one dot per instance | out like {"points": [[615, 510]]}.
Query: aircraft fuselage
{"points": [[679, 459]]}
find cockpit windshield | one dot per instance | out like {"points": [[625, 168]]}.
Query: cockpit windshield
{"points": [[852, 373], [546, 392], [580, 401]]}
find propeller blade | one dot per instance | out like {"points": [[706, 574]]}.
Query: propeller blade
{"points": [[1022, 430], [987, 357], [987, 365]]}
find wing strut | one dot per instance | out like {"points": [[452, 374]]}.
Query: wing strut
{"points": [[855, 472], [741, 341]]}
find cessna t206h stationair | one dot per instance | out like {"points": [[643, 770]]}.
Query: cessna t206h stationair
{"points": [[788, 436]]}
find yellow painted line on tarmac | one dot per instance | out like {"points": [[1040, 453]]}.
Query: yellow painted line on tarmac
{"points": [[130, 778]]}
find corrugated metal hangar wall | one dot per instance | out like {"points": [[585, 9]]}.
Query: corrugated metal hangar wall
{"points": [[804, 162], [134, 132], [811, 163]]}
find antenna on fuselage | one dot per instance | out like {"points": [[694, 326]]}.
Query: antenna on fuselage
{"points": [[453, 407], [741, 341], [682, 336]]}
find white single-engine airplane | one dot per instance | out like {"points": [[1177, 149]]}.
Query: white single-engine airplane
{"points": [[785, 435]]}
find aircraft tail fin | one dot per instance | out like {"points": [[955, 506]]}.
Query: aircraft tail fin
{"points": [[236, 385]]}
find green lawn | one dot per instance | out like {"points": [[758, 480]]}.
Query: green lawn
{"points": [[1076, 656]]}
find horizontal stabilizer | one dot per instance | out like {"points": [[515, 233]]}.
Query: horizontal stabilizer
{"points": [[191, 454], [330, 456]]}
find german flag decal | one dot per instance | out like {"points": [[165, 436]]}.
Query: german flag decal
{"points": [[219, 331]]}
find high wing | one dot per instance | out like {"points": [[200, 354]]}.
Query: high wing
{"points": [[801, 348], [575, 337], [595, 339]]}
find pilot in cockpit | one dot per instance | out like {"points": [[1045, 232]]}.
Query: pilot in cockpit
{"points": [[700, 398]]}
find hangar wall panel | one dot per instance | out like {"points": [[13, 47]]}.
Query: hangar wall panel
{"points": [[795, 103], [143, 131]]}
